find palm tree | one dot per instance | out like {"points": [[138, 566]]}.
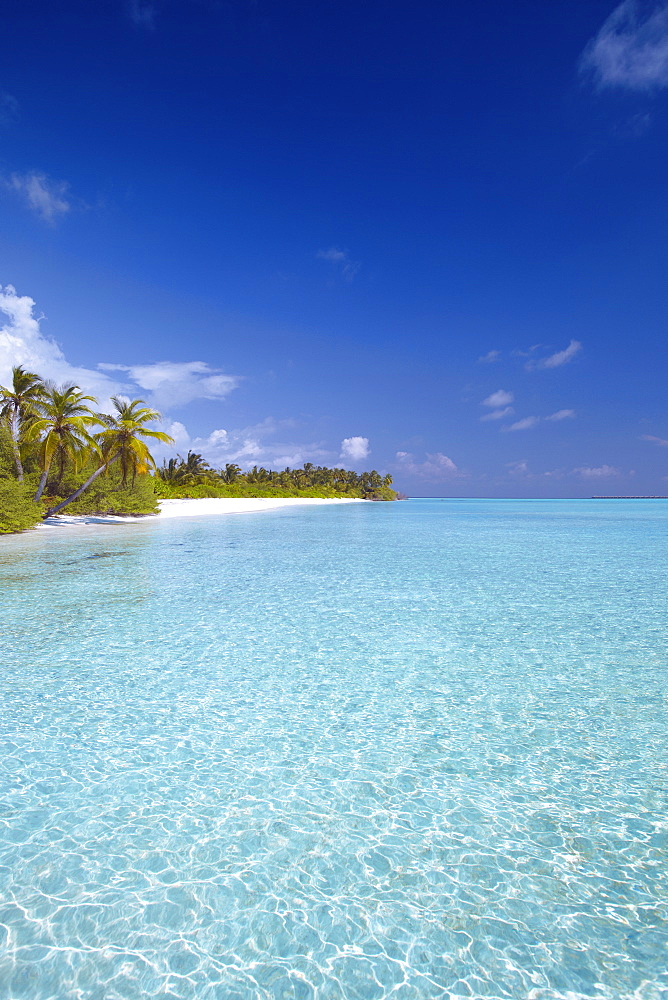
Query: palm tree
{"points": [[120, 441], [170, 472], [230, 473], [62, 429], [194, 469], [18, 405]]}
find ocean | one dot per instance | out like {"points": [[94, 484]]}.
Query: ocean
{"points": [[410, 751]]}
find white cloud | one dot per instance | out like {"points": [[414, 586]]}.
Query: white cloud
{"points": [[597, 472], [354, 449], [489, 357], [164, 385], [631, 49], [334, 254], [179, 433], [341, 258], [9, 108], [524, 424], [48, 198], [558, 359], [518, 468], [436, 466], [500, 398], [655, 440], [177, 383], [218, 438], [561, 415], [247, 446], [498, 414], [23, 343]]}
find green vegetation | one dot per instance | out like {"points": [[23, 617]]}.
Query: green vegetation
{"points": [[108, 495], [192, 477], [121, 441], [18, 511], [18, 406], [57, 452]]}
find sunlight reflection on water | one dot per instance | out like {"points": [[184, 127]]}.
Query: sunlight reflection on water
{"points": [[408, 750]]}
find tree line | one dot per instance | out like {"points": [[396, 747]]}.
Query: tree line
{"points": [[195, 471]]}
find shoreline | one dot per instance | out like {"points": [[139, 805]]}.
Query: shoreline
{"points": [[198, 508], [240, 505]]}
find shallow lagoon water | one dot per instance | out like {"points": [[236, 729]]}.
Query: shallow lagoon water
{"points": [[410, 750]]}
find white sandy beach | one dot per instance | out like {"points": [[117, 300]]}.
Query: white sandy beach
{"points": [[196, 508], [238, 505]]}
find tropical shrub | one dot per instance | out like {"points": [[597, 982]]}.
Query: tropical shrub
{"points": [[108, 495], [18, 511]]}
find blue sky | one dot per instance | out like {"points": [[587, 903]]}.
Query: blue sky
{"points": [[426, 238]]}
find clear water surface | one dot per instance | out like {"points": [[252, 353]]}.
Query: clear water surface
{"points": [[404, 751]]}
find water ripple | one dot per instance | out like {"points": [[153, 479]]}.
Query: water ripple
{"points": [[408, 751]]}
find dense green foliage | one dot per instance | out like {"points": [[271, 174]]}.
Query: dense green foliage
{"points": [[56, 452], [107, 494], [192, 477], [17, 508]]}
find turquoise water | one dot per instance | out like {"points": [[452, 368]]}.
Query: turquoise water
{"points": [[400, 751]]}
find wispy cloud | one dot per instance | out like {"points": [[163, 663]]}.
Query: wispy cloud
{"points": [[173, 384], [561, 415], [489, 358], [655, 440], [342, 260], [9, 108], [518, 353], [165, 384], [631, 49], [525, 424], [498, 399], [596, 472], [46, 197], [558, 359], [354, 449], [436, 466], [518, 468]]}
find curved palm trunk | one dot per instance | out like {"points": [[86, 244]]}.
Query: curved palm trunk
{"points": [[80, 490], [42, 483]]}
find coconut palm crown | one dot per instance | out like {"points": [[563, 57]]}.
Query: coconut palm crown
{"points": [[18, 405], [121, 439], [63, 430], [186, 472]]}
